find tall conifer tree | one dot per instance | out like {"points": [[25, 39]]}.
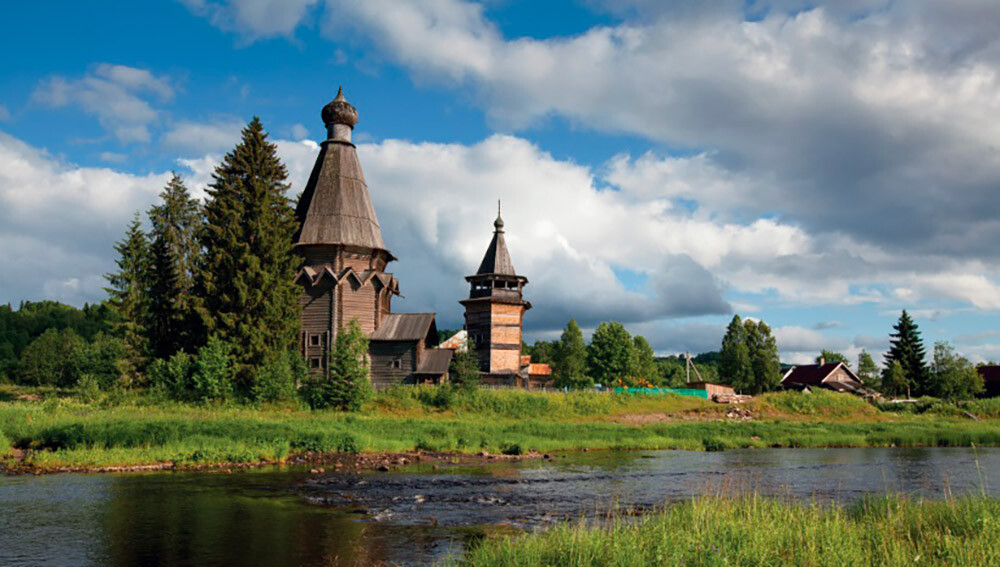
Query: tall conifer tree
{"points": [[734, 358], [908, 349], [174, 249], [245, 274], [129, 289]]}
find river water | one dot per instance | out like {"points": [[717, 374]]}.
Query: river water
{"points": [[418, 515]]}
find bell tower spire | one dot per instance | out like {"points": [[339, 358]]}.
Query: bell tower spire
{"points": [[494, 310]]}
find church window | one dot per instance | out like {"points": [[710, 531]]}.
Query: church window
{"points": [[397, 363], [314, 339], [316, 362]]}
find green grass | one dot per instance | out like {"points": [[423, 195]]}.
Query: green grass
{"points": [[752, 530], [515, 404], [133, 429], [819, 403]]}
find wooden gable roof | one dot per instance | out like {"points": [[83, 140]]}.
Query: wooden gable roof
{"points": [[405, 327], [436, 361], [816, 374]]}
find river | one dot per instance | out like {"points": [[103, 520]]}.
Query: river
{"points": [[419, 514]]}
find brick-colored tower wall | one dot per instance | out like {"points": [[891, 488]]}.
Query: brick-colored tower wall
{"points": [[496, 327]]}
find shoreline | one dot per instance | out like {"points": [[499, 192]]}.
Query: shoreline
{"points": [[390, 461], [380, 461]]}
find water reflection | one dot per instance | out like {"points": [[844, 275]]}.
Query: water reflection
{"points": [[290, 517]]}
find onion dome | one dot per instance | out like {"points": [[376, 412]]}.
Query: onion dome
{"points": [[339, 112]]}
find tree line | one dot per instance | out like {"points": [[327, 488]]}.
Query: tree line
{"points": [[906, 372], [614, 357]]}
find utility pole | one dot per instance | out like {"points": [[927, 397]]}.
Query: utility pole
{"points": [[688, 366]]}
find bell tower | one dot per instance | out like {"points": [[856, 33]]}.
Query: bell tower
{"points": [[494, 311]]}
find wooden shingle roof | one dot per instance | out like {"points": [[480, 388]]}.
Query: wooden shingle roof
{"points": [[335, 206], [815, 374], [497, 259], [436, 361], [404, 327]]}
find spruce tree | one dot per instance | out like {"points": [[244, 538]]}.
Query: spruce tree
{"points": [[245, 286], [174, 247], [907, 348], [129, 290], [570, 364], [734, 357]]}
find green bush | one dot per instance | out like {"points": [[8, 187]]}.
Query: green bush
{"points": [[52, 359], [348, 444], [202, 378], [511, 449], [441, 397], [713, 444], [100, 360], [211, 376], [276, 381], [172, 376], [88, 388]]}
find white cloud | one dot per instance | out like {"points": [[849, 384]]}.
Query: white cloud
{"points": [[864, 119], [112, 157], [58, 221], [200, 138], [253, 19], [299, 132], [117, 95]]}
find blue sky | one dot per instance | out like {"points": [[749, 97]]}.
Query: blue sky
{"points": [[816, 165]]}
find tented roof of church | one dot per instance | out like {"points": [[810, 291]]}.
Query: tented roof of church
{"points": [[335, 207], [497, 259]]}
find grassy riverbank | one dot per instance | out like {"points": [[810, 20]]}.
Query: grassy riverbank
{"points": [[752, 530], [50, 430]]}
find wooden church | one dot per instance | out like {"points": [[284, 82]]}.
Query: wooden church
{"points": [[343, 278], [343, 274]]}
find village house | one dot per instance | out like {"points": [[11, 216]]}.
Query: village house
{"points": [[343, 275], [835, 376]]}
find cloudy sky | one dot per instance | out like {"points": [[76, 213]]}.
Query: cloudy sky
{"points": [[820, 166]]}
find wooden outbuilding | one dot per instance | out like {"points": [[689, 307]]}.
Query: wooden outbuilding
{"points": [[712, 389], [539, 375]]}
